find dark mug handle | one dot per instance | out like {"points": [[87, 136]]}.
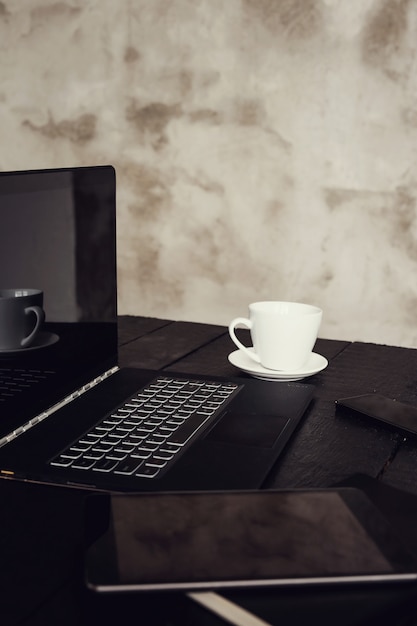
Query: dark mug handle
{"points": [[40, 317]]}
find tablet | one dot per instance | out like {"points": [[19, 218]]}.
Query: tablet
{"points": [[212, 540]]}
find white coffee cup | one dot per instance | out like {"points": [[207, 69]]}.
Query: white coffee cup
{"points": [[283, 333]]}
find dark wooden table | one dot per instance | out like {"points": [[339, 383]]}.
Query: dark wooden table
{"points": [[42, 538]]}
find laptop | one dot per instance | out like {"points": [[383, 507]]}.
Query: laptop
{"points": [[69, 415]]}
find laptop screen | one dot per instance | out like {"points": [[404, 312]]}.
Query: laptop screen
{"points": [[57, 237]]}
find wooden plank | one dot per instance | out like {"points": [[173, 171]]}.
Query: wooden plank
{"points": [[210, 359], [167, 344], [131, 327]]}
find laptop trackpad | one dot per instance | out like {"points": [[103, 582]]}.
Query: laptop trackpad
{"points": [[248, 429]]}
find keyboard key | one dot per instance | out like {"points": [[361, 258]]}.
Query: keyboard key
{"points": [[141, 454], [153, 422], [62, 461], [154, 439], [89, 439], [165, 456], [105, 465], [115, 455], [168, 428], [94, 456], [105, 427], [154, 461], [128, 466], [170, 448], [81, 447], [176, 421], [83, 464], [116, 435], [126, 448], [147, 447], [144, 429], [148, 471], [72, 454], [101, 447]]}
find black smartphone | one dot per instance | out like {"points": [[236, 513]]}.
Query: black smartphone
{"points": [[397, 414], [212, 540]]}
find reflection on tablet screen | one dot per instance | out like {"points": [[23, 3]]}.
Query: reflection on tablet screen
{"points": [[177, 538]]}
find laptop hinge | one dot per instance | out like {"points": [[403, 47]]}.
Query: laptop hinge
{"points": [[72, 396]]}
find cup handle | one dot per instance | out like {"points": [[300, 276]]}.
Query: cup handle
{"points": [[40, 316], [243, 321]]}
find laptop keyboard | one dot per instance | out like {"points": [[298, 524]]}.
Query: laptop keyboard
{"points": [[145, 435]]}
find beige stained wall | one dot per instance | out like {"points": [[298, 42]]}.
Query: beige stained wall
{"points": [[264, 149]]}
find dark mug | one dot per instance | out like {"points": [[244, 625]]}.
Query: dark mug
{"points": [[21, 317]]}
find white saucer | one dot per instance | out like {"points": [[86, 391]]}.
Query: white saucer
{"points": [[315, 364], [42, 340]]}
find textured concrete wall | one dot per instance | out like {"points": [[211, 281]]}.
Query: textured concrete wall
{"points": [[265, 149]]}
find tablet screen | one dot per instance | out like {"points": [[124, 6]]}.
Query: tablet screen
{"points": [[195, 540]]}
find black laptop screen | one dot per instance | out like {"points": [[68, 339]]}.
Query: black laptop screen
{"points": [[57, 235]]}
